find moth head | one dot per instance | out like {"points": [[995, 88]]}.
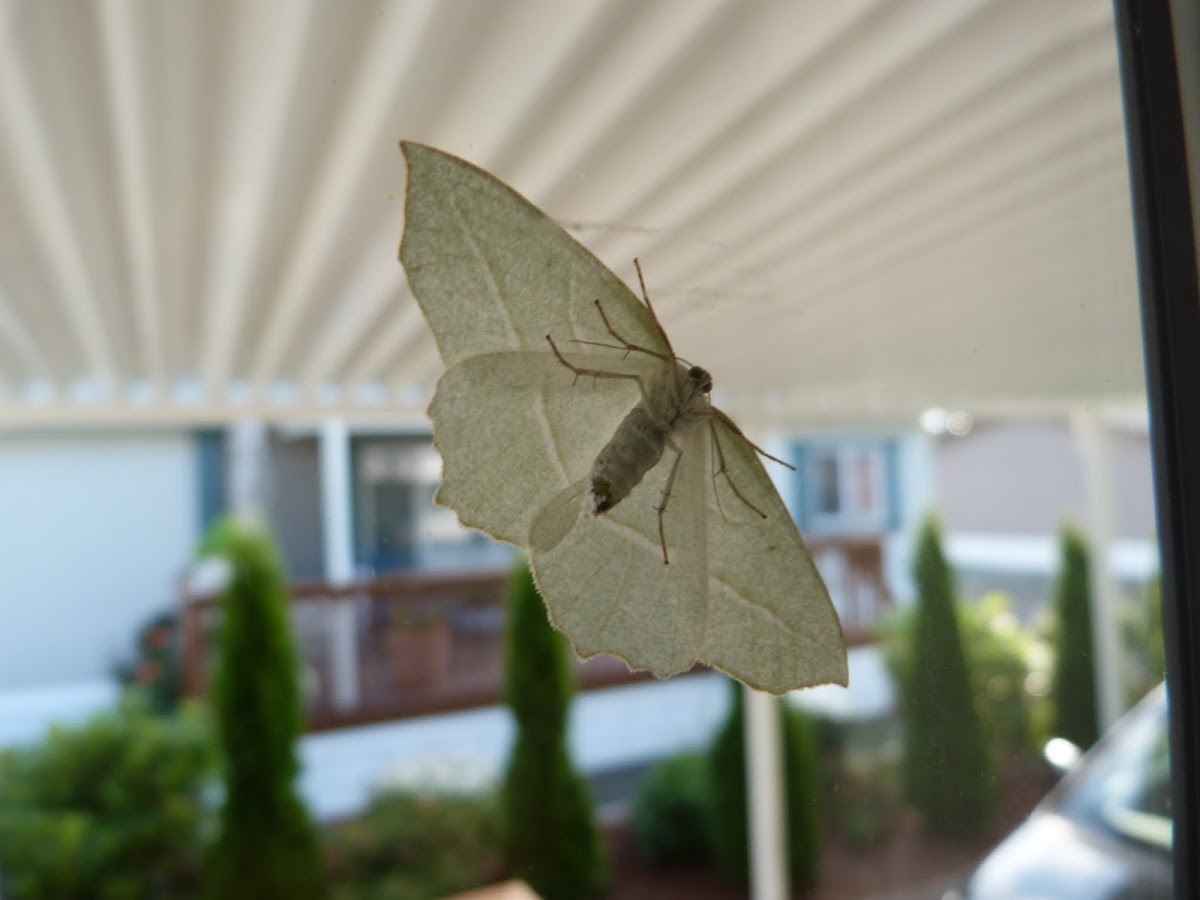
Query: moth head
{"points": [[699, 379]]}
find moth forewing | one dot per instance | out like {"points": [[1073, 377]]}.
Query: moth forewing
{"points": [[492, 272]]}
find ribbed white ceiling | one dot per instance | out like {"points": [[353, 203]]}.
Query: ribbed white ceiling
{"points": [[844, 210]]}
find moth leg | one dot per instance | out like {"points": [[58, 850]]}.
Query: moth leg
{"points": [[723, 469], [712, 435], [596, 373], [627, 345], [666, 498]]}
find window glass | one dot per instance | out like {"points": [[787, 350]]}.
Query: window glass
{"points": [[398, 526]]}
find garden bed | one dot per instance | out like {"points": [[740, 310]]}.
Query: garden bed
{"points": [[907, 862]]}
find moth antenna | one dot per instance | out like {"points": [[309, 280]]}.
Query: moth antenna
{"points": [[650, 306], [732, 425]]}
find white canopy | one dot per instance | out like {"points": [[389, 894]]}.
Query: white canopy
{"points": [[848, 210]]}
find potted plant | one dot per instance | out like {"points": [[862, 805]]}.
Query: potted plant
{"points": [[418, 642]]}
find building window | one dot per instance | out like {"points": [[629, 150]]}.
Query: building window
{"points": [[397, 525], [847, 487]]}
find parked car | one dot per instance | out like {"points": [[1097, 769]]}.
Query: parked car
{"points": [[1104, 832]]}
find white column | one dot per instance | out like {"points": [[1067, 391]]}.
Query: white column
{"points": [[337, 525], [765, 792], [247, 477], [1091, 438]]}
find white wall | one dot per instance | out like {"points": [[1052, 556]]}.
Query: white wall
{"points": [[94, 532], [915, 471]]}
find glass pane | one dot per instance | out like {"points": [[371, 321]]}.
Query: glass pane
{"points": [[899, 237]]}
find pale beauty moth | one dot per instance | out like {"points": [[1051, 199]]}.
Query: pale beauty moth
{"points": [[567, 425]]}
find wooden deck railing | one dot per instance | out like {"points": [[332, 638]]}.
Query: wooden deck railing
{"points": [[420, 643]]}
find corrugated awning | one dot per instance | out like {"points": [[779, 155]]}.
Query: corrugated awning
{"points": [[845, 211]]}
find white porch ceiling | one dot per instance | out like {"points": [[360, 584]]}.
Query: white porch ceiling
{"points": [[847, 210]]}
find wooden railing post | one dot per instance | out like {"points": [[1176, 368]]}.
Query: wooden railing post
{"points": [[192, 647], [343, 653]]}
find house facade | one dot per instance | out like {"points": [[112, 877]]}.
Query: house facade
{"points": [[102, 526], [1006, 489]]}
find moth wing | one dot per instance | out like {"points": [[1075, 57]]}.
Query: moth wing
{"points": [[492, 272], [770, 620], [515, 427], [556, 519], [604, 580]]}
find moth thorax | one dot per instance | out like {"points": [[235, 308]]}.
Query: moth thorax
{"points": [[700, 379]]}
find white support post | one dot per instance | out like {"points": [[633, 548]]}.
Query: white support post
{"points": [[765, 789], [1092, 441], [337, 524], [247, 478]]}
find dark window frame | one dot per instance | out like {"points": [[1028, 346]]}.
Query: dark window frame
{"points": [[1170, 303]]}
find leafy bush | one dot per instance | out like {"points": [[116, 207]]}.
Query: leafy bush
{"points": [[412, 846], [996, 650], [947, 766], [669, 810], [729, 830], [803, 796], [1008, 665], [1074, 683], [267, 845], [1143, 633], [551, 838], [109, 810], [862, 782]]}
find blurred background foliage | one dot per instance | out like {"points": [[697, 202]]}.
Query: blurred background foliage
{"points": [[116, 808], [126, 805]]}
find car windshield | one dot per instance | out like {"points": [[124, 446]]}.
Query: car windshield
{"points": [[1125, 788]]}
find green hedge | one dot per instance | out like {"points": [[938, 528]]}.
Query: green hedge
{"points": [[551, 837], [728, 826], [1001, 656], [413, 846], [1074, 683], [670, 807], [109, 810], [948, 773], [267, 845]]}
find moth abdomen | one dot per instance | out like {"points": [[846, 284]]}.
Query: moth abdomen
{"points": [[633, 450]]}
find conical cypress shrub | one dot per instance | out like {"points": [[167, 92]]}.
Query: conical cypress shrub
{"points": [[551, 837], [267, 845], [728, 825], [947, 771], [1074, 683]]}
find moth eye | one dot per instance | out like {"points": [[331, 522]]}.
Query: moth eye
{"points": [[700, 378]]}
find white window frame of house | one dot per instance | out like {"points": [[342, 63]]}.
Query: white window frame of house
{"points": [[877, 513]]}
